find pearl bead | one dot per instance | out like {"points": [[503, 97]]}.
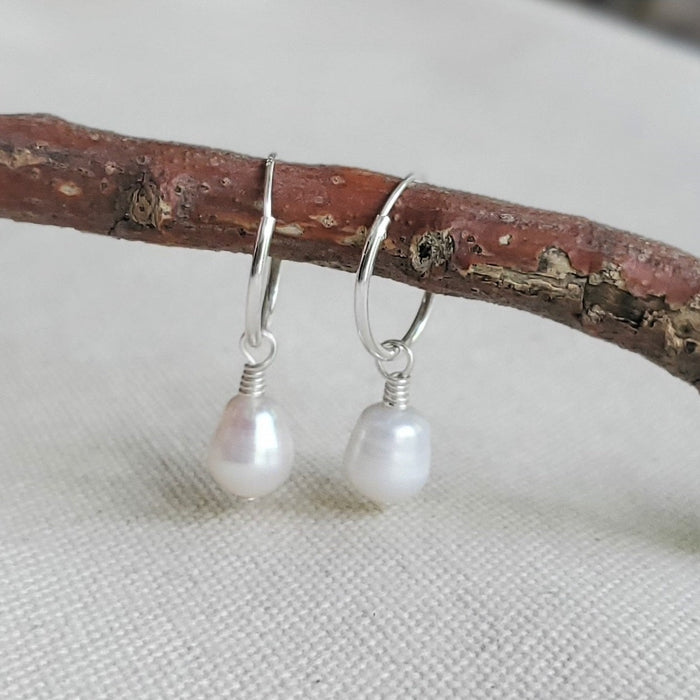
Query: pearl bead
{"points": [[388, 456], [252, 450]]}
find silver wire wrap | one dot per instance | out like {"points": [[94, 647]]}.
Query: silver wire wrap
{"points": [[253, 376], [397, 383], [396, 391], [252, 380]]}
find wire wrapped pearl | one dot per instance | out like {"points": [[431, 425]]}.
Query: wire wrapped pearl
{"points": [[252, 450], [387, 459], [388, 455]]}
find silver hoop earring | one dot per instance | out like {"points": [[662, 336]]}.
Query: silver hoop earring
{"points": [[388, 455], [252, 451]]}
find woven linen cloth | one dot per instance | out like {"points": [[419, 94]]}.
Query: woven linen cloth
{"points": [[555, 553]]}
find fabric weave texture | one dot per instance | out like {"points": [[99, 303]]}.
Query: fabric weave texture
{"points": [[555, 553]]}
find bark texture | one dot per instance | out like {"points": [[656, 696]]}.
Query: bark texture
{"points": [[637, 293]]}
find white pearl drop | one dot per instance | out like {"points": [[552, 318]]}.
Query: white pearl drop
{"points": [[252, 451], [388, 456]]}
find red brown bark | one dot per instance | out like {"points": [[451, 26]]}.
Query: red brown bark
{"points": [[640, 294]]}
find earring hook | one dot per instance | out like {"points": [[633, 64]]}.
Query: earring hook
{"points": [[264, 271], [388, 350]]}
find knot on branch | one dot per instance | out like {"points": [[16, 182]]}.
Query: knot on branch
{"points": [[431, 249], [146, 207]]}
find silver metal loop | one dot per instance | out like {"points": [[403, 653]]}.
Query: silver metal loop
{"points": [[375, 238], [249, 350], [264, 272], [396, 347]]}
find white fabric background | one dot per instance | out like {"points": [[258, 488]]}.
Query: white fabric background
{"points": [[556, 551]]}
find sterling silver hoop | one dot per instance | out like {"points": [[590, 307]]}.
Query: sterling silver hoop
{"points": [[389, 349], [264, 276]]}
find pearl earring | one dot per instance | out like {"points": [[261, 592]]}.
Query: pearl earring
{"points": [[388, 455], [252, 450]]}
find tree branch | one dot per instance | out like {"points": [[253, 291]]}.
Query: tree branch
{"points": [[640, 294]]}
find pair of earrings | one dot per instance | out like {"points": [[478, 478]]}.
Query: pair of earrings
{"points": [[387, 458]]}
